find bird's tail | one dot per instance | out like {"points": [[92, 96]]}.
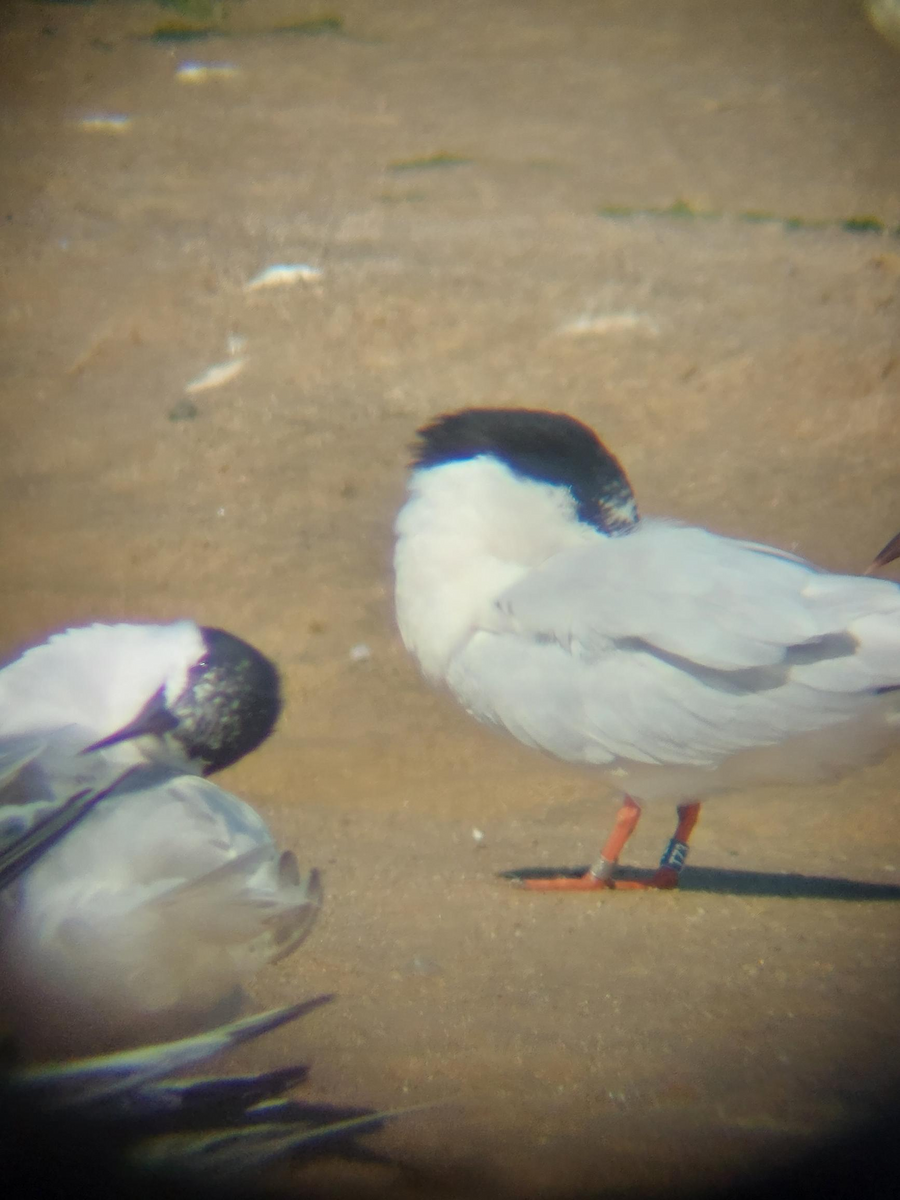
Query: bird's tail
{"points": [[141, 1110], [257, 905]]}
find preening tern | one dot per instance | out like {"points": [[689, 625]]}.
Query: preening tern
{"points": [[138, 895]]}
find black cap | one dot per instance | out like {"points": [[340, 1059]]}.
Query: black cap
{"points": [[549, 447], [230, 703]]}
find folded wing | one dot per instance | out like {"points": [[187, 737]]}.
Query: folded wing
{"points": [[149, 913], [671, 645]]}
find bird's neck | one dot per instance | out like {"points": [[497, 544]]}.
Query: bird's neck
{"points": [[468, 531]]}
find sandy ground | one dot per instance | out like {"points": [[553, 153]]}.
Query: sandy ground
{"points": [[445, 166]]}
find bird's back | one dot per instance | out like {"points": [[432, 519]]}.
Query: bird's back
{"points": [[682, 663]]}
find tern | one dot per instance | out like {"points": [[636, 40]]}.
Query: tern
{"points": [[677, 662], [138, 895]]}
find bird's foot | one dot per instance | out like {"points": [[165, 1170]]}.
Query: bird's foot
{"points": [[557, 882], [581, 879], [663, 879]]}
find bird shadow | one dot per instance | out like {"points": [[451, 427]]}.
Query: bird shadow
{"points": [[740, 883]]}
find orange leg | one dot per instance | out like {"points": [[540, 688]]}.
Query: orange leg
{"points": [[602, 873], [667, 873]]}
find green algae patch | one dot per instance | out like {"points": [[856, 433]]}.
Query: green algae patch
{"points": [[683, 211], [863, 225], [314, 27], [433, 162], [199, 19]]}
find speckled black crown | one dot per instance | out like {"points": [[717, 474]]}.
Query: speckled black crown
{"points": [[550, 447], [230, 704]]}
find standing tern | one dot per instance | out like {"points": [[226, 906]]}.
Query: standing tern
{"points": [[138, 894], [677, 662]]}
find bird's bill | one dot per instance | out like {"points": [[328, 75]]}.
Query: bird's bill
{"points": [[154, 718], [885, 555]]}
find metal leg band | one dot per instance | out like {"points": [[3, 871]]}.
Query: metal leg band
{"points": [[602, 869]]}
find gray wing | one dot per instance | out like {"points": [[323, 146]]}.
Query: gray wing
{"points": [[26, 793], [45, 790], [156, 905], [672, 645]]}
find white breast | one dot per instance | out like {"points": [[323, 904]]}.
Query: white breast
{"points": [[468, 531]]}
